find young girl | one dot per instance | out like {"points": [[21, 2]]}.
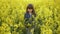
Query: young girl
{"points": [[29, 17]]}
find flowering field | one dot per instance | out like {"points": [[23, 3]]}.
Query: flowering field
{"points": [[12, 13]]}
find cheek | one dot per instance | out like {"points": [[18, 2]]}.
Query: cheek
{"points": [[31, 10]]}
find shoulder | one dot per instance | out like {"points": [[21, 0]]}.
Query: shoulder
{"points": [[26, 13]]}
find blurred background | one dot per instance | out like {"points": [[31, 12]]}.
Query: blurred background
{"points": [[12, 16]]}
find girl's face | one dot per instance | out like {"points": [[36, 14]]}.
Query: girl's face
{"points": [[30, 10]]}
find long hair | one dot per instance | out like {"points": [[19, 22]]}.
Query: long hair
{"points": [[30, 6]]}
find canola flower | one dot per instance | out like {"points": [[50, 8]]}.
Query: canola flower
{"points": [[12, 13]]}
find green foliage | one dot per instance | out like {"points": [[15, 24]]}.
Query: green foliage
{"points": [[47, 20]]}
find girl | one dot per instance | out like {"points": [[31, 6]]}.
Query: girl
{"points": [[29, 17]]}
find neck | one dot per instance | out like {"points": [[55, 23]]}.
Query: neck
{"points": [[30, 13]]}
